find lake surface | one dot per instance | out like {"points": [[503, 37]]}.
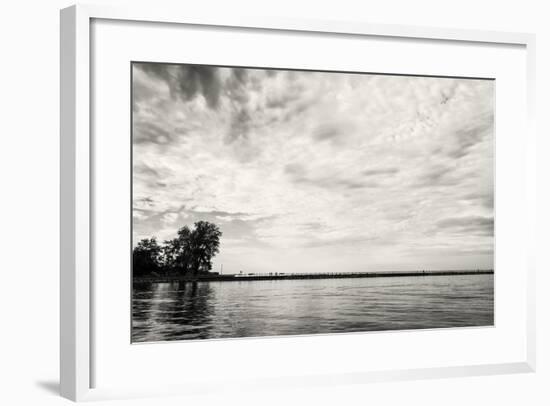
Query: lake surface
{"points": [[186, 311]]}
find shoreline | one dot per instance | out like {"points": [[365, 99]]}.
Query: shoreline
{"points": [[271, 277]]}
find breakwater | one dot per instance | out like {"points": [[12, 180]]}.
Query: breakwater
{"points": [[295, 276]]}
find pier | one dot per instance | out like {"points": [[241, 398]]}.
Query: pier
{"points": [[244, 277]]}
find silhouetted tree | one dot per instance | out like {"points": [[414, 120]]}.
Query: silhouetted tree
{"points": [[188, 254], [204, 245], [177, 252], [147, 258]]}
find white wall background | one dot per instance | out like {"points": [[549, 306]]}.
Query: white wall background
{"points": [[29, 204]]}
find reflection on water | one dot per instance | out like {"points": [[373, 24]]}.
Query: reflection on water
{"points": [[182, 311]]}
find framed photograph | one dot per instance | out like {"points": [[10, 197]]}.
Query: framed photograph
{"points": [[296, 202]]}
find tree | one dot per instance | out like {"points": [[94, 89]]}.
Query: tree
{"points": [[204, 245], [147, 257], [177, 252], [188, 254]]}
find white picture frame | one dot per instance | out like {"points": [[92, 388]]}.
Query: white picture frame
{"points": [[76, 283]]}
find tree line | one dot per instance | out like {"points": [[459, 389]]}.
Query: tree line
{"points": [[189, 254]]}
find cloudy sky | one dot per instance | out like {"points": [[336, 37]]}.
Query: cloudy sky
{"points": [[316, 171]]}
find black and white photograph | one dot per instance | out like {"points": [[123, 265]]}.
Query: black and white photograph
{"points": [[281, 202], [275, 203]]}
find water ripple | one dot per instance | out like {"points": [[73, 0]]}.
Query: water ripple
{"points": [[180, 311]]}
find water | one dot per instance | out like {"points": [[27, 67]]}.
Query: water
{"points": [[179, 311]]}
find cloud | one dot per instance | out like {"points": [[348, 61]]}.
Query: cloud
{"points": [[381, 171], [187, 81], [240, 125], [471, 224], [326, 180], [485, 198], [471, 134], [313, 170], [327, 132], [438, 175], [169, 218]]}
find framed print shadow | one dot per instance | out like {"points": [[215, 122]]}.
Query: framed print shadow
{"points": [[274, 202], [294, 202]]}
